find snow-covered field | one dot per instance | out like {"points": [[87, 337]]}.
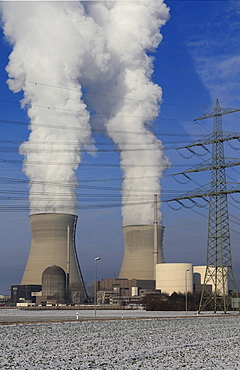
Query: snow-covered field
{"points": [[18, 315], [196, 342]]}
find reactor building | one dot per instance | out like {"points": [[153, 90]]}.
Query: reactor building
{"points": [[52, 262]]}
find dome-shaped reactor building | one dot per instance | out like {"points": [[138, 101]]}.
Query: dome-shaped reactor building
{"points": [[54, 283], [53, 243]]}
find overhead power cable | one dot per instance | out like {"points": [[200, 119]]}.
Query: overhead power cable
{"points": [[63, 184], [86, 92], [107, 114], [82, 164], [93, 130]]}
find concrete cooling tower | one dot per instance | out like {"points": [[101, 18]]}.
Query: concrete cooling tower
{"points": [[53, 244], [140, 258]]}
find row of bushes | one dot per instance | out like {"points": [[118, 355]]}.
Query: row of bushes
{"points": [[174, 302]]}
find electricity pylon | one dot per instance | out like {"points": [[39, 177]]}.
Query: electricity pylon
{"points": [[219, 270]]}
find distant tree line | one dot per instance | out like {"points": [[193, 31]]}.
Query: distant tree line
{"points": [[173, 302]]}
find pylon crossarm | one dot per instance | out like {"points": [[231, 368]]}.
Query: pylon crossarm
{"points": [[204, 141], [204, 192], [211, 139], [217, 112], [231, 162], [235, 188], [208, 166], [197, 193], [204, 166]]}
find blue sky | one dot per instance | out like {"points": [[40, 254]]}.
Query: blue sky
{"points": [[196, 63]]}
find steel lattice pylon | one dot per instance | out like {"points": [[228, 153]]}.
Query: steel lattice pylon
{"points": [[219, 269]]}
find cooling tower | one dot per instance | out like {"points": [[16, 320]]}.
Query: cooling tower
{"points": [[53, 243], [139, 255]]}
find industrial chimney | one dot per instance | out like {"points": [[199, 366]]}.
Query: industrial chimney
{"points": [[140, 258], [53, 243]]}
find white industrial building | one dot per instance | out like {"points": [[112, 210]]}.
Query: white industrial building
{"points": [[174, 277], [199, 274]]}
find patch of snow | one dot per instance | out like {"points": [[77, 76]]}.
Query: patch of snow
{"points": [[169, 343]]}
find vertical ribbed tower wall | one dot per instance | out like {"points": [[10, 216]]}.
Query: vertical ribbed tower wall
{"points": [[138, 259], [53, 243]]}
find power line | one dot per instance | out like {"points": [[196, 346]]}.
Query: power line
{"points": [[107, 114], [36, 83], [93, 130], [35, 149], [84, 164]]}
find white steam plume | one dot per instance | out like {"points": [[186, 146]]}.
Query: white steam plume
{"points": [[131, 30], [54, 44], [104, 47]]}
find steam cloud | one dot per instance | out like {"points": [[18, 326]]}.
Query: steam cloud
{"points": [[101, 46]]}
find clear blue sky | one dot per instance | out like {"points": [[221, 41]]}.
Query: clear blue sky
{"points": [[197, 62]]}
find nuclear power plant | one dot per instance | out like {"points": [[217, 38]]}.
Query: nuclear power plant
{"points": [[52, 272], [60, 133], [89, 54], [52, 260], [53, 276]]}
